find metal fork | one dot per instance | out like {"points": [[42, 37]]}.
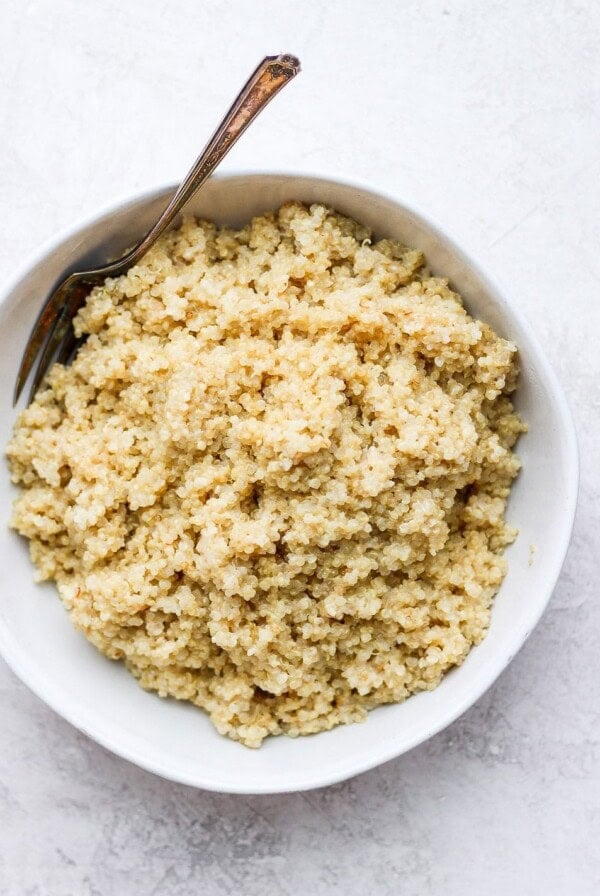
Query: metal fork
{"points": [[53, 336]]}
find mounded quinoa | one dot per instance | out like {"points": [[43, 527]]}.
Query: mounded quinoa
{"points": [[273, 480]]}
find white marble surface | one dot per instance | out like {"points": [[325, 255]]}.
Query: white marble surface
{"points": [[488, 116]]}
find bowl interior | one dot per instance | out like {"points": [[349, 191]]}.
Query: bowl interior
{"points": [[175, 739]]}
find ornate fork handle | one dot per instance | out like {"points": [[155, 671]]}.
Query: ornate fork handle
{"points": [[267, 80]]}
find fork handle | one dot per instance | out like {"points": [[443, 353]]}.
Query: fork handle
{"points": [[273, 73]]}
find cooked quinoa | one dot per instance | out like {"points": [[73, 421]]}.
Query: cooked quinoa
{"points": [[273, 480]]}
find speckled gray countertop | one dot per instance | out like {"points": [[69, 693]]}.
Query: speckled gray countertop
{"points": [[487, 115]]}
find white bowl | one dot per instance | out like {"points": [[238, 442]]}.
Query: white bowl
{"points": [[175, 739]]}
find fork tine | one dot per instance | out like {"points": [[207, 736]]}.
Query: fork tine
{"points": [[70, 345], [54, 339], [42, 327], [58, 331]]}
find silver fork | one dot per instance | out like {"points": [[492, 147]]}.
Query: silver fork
{"points": [[52, 337]]}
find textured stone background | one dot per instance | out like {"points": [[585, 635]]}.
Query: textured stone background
{"points": [[486, 114]]}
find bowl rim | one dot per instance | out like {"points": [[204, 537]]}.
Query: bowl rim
{"points": [[367, 760]]}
